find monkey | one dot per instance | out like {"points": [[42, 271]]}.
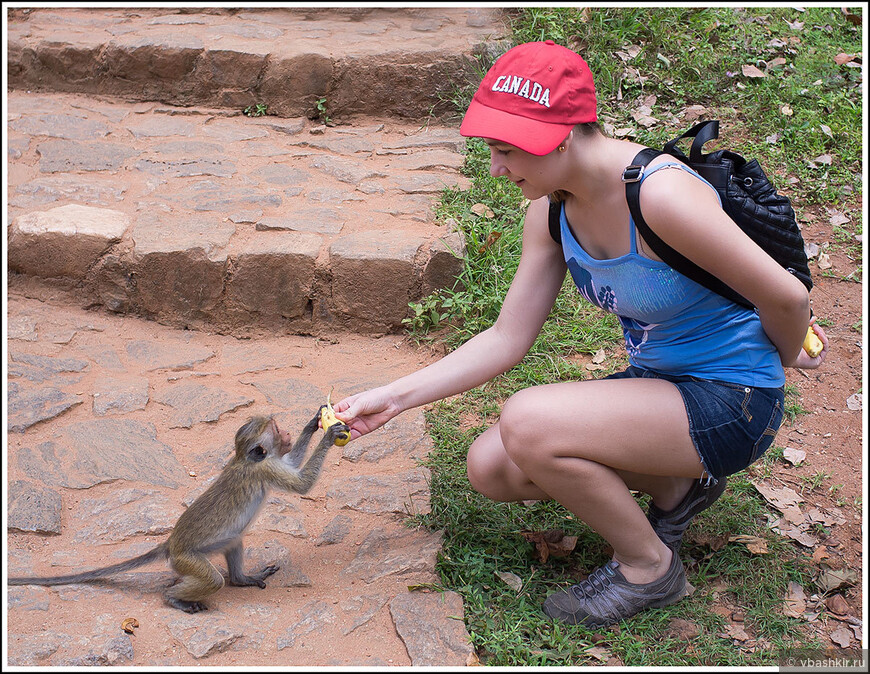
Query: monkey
{"points": [[218, 518]]}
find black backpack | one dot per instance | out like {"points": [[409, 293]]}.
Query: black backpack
{"points": [[748, 197]]}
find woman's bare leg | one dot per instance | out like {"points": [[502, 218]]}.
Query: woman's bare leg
{"points": [[574, 442]]}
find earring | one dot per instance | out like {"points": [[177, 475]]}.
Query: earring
{"points": [[561, 148]]}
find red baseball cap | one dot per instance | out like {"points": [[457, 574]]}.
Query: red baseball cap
{"points": [[532, 97]]}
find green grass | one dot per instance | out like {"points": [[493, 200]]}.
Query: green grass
{"points": [[686, 57]]}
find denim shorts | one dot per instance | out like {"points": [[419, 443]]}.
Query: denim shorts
{"points": [[731, 425]]}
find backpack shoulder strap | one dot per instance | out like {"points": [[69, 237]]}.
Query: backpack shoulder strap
{"points": [[554, 221], [632, 178]]}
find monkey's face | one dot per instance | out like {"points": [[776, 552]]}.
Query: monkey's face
{"points": [[260, 437], [283, 440]]}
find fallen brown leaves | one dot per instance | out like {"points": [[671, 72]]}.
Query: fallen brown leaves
{"points": [[552, 542]]}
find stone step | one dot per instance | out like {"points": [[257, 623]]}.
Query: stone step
{"points": [[209, 219], [396, 62]]}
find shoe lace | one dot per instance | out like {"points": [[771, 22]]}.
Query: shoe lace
{"points": [[597, 582]]}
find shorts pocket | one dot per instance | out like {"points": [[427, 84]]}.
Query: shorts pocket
{"points": [[766, 438]]}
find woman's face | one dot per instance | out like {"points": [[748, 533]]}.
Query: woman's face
{"points": [[527, 171]]}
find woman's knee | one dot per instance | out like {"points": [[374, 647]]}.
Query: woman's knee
{"points": [[486, 466], [520, 426]]}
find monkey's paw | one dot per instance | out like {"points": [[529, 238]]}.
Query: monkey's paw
{"points": [[256, 578], [187, 606], [338, 434]]}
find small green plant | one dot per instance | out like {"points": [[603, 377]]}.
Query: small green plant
{"points": [[321, 112], [815, 480], [428, 314], [773, 455], [793, 407], [834, 492], [256, 110]]}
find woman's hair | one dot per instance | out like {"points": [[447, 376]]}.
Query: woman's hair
{"points": [[587, 128]]}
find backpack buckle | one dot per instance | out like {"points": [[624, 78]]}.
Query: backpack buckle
{"points": [[633, 173]]}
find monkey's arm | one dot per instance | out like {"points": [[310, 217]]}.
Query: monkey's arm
{"points": [[288, 478], [294, 456]]}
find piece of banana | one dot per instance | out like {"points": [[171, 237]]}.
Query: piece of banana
{"points": [[812, 344], [328, 418]]}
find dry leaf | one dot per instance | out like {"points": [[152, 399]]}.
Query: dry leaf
{"points": [[778, 498], [683, 630], [820, 553], [838, 218], [854, 19], [794, 456], [837, 605], [827, 130], [832, 579], [712, 542], [827, 519], [841, 58], [694, 112], [785, 528], [599, 357], [491, 238], [796, 25], [778, 61], [736, 632], [824, 159], [793, 515], [128, 625], [855, 402], [755, 545], [551, 542], [752, 71], [482, 209], [512, 579], [824, 261], [643, 117], [786, 110], [601, 654], [842, 637], [795, 600], [811, 250]]}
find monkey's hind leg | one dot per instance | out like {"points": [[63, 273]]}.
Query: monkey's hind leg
{"points": [[199, 579], [237, 575]]}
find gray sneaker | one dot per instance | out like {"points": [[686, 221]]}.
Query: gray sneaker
{"points": [[606, 597], [671, 525]]}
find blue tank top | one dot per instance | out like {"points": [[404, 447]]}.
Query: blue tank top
{"points": [[672, 324]]}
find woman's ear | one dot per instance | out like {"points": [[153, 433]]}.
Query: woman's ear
{"points": [[565, 144]]}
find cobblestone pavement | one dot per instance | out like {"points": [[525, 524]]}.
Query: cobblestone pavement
{"points": [[116, 424]]}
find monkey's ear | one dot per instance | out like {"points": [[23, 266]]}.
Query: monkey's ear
{"points": [[256, 453]]}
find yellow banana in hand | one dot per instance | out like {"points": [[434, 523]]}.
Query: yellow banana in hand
{"points": [[328, 418], [812, 344]]}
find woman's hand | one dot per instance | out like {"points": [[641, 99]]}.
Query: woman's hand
{"points": [[804, 361], [366, 411]]}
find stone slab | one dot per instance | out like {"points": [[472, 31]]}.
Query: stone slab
{"points": [[90, 452], [430, 624], [64, 241]]}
